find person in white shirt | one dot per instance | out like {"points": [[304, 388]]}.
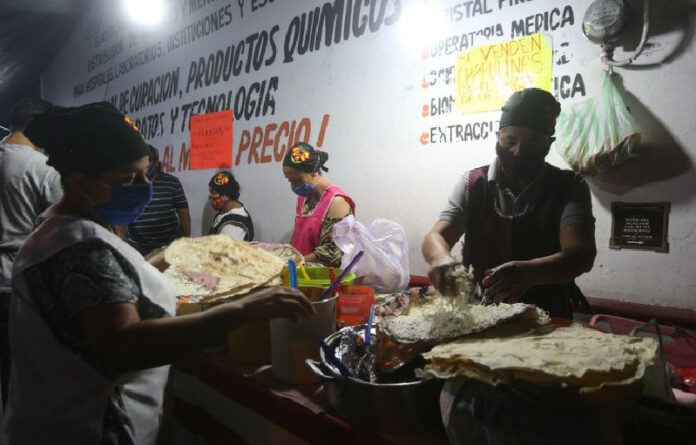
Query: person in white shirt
{"points": [[232, 218], [29, 187]]}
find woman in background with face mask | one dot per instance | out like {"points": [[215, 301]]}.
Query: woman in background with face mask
{"points": [[320, 205], [232, 218], [91, 322]]}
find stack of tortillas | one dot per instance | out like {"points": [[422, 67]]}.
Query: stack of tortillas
{"points": [[432, 321], [219, 267], [572, 356]]}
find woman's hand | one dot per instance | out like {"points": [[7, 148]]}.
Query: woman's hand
{"points": [[126, 343], [441, 277], [156, 258], [274, 302], [507, 282]]}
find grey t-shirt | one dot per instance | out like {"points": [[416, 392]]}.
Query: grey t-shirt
{"points": [[577, 211], [29, 187]]}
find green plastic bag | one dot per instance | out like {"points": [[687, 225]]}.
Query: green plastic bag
{"points": [[598, 134]]}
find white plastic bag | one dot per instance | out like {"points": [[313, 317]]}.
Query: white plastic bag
{"points": [[384, 264], [598, 134]]}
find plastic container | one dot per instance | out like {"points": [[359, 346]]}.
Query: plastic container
{"points": [[319, 276], [294, 342], [354, 303]]}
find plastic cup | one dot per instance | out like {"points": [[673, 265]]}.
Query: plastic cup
{"points": [[354, 303]]}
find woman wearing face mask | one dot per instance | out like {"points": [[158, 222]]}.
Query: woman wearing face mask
{"points": [[232, 218], [92, 326], [320, 205], [529, 226]]}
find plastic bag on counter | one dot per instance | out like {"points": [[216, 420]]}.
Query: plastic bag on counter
{"points": [[384, 264], [598, 134]]}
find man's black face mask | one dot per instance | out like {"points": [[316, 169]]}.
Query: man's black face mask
{"points": [[520, 167]]}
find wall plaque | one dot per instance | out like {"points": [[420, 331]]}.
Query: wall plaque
{"points": [[639, 226]]}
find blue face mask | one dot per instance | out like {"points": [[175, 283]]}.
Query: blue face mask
{"points": [[127, 203], [305, 189]]}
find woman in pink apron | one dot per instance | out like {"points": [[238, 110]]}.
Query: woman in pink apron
{"points": [[320, 205], [91, 322]]}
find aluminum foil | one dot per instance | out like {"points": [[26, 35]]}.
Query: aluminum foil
{"points": [[352, 353], [387, 362]]}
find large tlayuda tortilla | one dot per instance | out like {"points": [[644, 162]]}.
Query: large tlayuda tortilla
{"points": [[432, 323], [574, 355], [236, 266]]}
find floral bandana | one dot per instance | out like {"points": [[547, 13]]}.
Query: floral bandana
{"points": [[299, 154], [221, 179]]}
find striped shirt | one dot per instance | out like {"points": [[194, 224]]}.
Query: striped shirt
{"points": [[159, 224]]}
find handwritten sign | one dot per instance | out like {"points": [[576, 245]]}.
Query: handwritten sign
{"points": [[486, 76], [639, 226], [211, 140]]}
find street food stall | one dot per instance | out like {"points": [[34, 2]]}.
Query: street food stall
{"points": [[380, 379]]}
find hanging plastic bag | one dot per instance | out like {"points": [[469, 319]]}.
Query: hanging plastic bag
{"points": [[598, 134], [384, 264]]}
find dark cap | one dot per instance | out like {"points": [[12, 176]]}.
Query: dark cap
{"points": [[531, 108], [92, 138]]}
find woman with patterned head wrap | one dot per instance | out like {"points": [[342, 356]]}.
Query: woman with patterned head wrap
{"points": [[320, 204], [232, 218], [92, 322]]}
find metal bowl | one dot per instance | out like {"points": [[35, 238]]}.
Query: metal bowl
{"points": [[406, 407]]}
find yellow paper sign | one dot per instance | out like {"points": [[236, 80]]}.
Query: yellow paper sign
{"points": [[486, 76]]}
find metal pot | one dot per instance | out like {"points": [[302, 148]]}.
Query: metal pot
{"points": [[407, 407]]}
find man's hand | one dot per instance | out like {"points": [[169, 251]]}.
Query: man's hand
{"points": [[436, 250], [507, 282], [440, 275]]}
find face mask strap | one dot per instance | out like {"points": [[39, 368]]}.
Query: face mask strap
{"points": [[222, 199], [94, 180]]}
